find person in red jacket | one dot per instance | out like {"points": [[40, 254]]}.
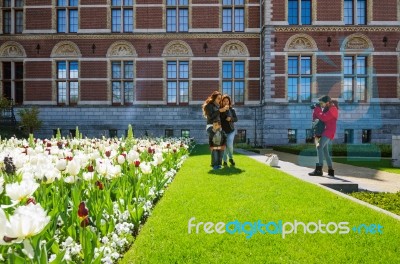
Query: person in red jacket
{"points": [[327, 113]]}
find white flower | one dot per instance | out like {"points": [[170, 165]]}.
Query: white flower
{"points": [[73, 167], [61, 164], [132, 156], [87, 176], [121, 159], [146, 169], [52, 257], [19, 191], [27, 221], [158, 158]]}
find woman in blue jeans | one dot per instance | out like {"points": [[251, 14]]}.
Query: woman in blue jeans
{"points": [[228, 119]]}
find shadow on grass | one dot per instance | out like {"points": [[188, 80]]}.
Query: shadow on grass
{"points": [[227, 171]]}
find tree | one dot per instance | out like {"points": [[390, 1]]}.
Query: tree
{"points": [[30, 119]]}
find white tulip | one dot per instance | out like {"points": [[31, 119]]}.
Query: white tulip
{"points": [[22, 190], [121, 159], [88, 176], [145, 168], [132, 156], [27, 221], [61, 164], [73, 167]]}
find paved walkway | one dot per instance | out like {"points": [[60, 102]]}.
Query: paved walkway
{"points": [[300, 166]]}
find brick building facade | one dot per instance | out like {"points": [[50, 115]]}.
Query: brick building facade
{"points": [[104, 64]]}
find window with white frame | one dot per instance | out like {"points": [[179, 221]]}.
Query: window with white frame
{"points": [[13, 16], [122, 16], [67, 16], [355, 12], [299, 78], [355, 78], [67, 82], [299, 12], [13, 81], [233, 80], [177, 82], [177, 16], [233, 15], [122, 75], [292, 136]]}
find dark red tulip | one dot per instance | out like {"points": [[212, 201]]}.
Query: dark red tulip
{"points": [[69, 158], [108, 153], [100, 185], [83, 211], [137, 163], [31, 200], [48, 144], [90, 168], [85, 222]]}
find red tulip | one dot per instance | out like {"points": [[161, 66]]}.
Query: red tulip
{"points": [[108, 153], [83, 211], [90, 168], [137, 163], [100, 185], [85, 222], [31, 200]]}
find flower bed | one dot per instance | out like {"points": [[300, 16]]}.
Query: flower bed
{"points": [[80, 200]]}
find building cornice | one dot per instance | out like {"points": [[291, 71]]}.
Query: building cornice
{"points": [[337, 29], [130, 36]]}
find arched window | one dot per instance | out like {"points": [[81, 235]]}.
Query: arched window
{"points": [[234, 64], [300, 65], [66, 68], [12, 55], [122, 56]]}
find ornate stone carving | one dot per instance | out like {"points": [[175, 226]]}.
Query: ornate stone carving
{"points": [[66, 49], [177, 48], [12, 51], [121, 49], [233, 48], [356, 43], [301, 42]]}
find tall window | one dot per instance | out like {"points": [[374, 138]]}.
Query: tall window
{"points": [[299, 78], [13, 16], [185, 133], [233, 15], [122, 15], [67, 16], [299, 9], [349, 136], [122, 82], [355, 78], [366, 136], [355, 12], [177, 82], [177, 16], [233, 80], [292, 135], [67, 82], [13, 81]]}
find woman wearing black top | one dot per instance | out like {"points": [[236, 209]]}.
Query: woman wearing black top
{"points": [[211, 108], [228, 119]]}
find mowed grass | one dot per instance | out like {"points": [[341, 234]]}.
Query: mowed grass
{"points": [[380, 164], [252, 192]]}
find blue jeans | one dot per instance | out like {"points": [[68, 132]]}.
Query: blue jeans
{"points": [[323, 150], [216, 157], [228, 153]]}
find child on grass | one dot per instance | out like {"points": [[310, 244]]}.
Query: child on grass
{"points": [[217, 142]]}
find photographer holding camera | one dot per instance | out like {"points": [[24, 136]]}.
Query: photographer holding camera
{"points": [[324, 132]]}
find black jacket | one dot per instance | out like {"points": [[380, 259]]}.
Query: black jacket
{"points": [[211, 135], [228, 126], [212, 111]]}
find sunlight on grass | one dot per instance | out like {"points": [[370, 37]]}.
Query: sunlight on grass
{"points": [[250, 192]]}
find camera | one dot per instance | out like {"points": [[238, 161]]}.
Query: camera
{"points": [[312, 106]]}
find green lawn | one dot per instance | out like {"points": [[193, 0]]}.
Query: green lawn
{"points": [[382, 164], [252, 192]]}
